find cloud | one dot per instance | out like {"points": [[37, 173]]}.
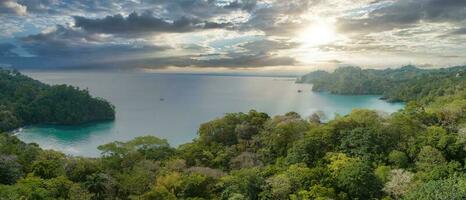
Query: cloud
{"points": [[6, 50], [143, 23], [243, 5], [281, 18], [226, 33], [460, 31], [405, 14], [73, 47], [12, 7]]}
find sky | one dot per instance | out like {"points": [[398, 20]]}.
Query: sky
{"points": [[279, 36]]}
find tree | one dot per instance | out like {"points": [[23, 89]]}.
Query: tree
{"points": [[280, 134], [24, 101], [8, 120], [10, 169], [354, 176], [398, 158], [399, 184], [77, 169], [313, 147], [277, 187], [32, 188], [135, 181], [50, 164], [428, 158], [101, 185], [246, 160], [453, 188], [245, 182], [158, 193], [125, 154], [317, 192], [383, 173]]}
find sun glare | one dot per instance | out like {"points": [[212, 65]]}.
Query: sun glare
{"points": [[317, 34]]}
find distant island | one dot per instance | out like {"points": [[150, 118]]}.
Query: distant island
{"points": [[416, 153], [25, 101], [405, 84]]}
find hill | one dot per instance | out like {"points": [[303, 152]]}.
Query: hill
{"points": [[25, 101], [404, 84]]}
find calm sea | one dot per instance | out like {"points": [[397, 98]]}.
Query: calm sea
{"points": [[172, 106]]}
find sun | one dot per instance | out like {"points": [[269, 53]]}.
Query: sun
{"points": [[317, 34]]}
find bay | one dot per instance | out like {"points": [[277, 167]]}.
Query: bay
{"points": [[172, 106]]}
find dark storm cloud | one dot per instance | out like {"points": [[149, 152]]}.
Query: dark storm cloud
{"points": [[65, 41], [6, 50], [203, 9], [170, 8], [281, 18], [243, 5], [404, 14], [143, 23], [74, 48], [67, 47]]}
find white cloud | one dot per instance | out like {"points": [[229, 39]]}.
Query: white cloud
{"points": [[11, 6]]}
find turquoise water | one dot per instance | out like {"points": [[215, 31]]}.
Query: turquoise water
{"points": [[188, 101]]}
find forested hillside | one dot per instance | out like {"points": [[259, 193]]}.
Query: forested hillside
{"points": [[416, 153], [404, 84], [24, 101]]}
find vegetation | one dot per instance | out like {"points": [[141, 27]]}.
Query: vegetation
{"points": [[24, 101], [404, 84], [416, 153]]}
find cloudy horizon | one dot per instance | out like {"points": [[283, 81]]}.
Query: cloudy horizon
{"points": [[236, 35]]}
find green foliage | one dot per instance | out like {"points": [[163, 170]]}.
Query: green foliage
{"points": [[10, 169], [50, 164], [428, 158], [353, 176], [404, 84], [8, 120], [383, 173], [280, 133], [453, 188], [37, 188], [232, 128], [158, 193], [244, 182], [101, 185], [357, 156], [313, 147], [317, 192], [25, 101], [398, 158], [125, 154], [77, 169], [416, 153], [24, 153]]}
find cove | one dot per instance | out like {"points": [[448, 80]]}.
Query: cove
{"points": [[172, 106]]}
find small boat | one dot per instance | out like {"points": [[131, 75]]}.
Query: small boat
{"points": [[162, 99]]}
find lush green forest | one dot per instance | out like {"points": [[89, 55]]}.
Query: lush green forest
{"points": [[416, 153], [404, 84], [25, 101]]}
